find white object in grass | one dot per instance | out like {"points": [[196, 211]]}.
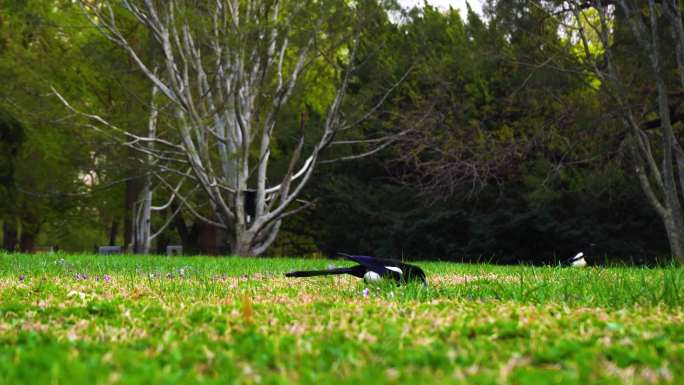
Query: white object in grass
{"points": [[578, 260], [372, 277]]}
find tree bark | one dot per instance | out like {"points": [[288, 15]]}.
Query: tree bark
{"points": [[27, 240], [242, 244], [132, 190], [143, 219], [675, 236], [189, 236], [9, 235], [142, 212], [30, 228], [113, 230], [163, 239]]}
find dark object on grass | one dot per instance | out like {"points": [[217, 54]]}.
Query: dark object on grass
{"points": [[371, 270]]}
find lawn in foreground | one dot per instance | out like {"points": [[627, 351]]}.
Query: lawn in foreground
{"points": [[140, 320]]}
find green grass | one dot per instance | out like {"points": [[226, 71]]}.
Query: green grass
{"points": [[238, 320]]}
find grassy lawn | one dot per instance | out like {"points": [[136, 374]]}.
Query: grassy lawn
{"points": [[155, 320]]}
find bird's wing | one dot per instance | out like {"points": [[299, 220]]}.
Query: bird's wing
{"points": [[399, 270], [380, 266], [360, 259]]}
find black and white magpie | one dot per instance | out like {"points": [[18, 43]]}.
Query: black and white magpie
{"points": [[371, 270], [576, 261], [580, 259]]}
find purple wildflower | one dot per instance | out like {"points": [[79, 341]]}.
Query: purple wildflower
{"points": [[77, 276], [84, 276], [365, 292], [97, 278], [22, 278], [107, 278]]}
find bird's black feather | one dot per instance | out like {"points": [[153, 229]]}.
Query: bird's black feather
{"points": [[357, 271], [384, 268]]}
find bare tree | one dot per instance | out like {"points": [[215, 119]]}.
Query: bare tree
{"points": [[143, 207], [658, 154], [467, 161], [229, 69]]}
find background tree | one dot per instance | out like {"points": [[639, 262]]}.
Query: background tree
{"points": [[230, 68], [509, 102], [626, 45], [71, 188], [44, 157], [11, 138]]}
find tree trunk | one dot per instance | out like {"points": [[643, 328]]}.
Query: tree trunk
{"points": [[27, 240], [9, 235], [206, 238], [675, 235], [671, 195], [163, 239], [30, 228], [113, 230], [130, 196], [189, 236], [242, 244], [142, 213], [142, 208]]}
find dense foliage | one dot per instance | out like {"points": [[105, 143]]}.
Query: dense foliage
{"points": [[513, 155], [506, 149]]}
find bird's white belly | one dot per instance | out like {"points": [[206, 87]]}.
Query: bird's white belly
{"points": [[579, 263], [371, 277]]}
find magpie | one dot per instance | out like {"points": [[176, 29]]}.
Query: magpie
{"points": [[576, 261], [371, 270], [580, 259]]}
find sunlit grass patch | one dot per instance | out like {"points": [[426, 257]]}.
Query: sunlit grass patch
{"points": [[218, 320]]}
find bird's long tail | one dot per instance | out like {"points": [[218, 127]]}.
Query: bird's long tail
{"points": [[313, 273]]}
